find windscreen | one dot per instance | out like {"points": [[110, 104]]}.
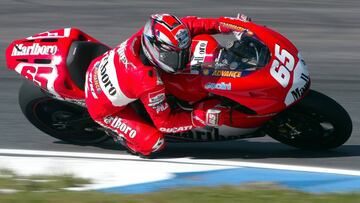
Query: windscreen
{"points": [[244, 54]]}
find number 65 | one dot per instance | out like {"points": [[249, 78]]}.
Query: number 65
{"points": [[281, 72]]}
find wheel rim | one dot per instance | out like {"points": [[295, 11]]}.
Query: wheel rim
{"points": [[310, 128], [58, 116]]}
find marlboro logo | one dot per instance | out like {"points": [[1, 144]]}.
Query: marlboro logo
{"points": [[34, 49]]}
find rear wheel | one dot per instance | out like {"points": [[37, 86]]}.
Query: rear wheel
{"points": [[317, 122], [59, 119]]}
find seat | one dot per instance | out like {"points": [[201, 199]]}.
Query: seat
{"points": [[80, 55]]}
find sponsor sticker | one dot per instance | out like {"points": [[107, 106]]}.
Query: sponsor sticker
{"points": [[298, 90], [300, 83], [199, 53], [96, 77], [227, 73], [236, 27], [155, 98], [34, 49], [183, 37], [108, 80], [176, 129], [222, 73], [121, 52], [218, 86], [212, 117], [161, 107], [91, 85], [117, 123], [210, 134], [105, 78]]}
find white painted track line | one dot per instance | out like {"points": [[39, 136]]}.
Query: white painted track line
{"points": [[223, 163]]}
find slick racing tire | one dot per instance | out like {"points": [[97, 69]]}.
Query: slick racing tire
{"points": [[315, 123], [59, 119]]}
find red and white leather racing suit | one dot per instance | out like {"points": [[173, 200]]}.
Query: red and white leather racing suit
{"points": [[119, 77]]}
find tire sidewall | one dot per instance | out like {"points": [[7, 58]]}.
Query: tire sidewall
{"points": [[332, 111]]}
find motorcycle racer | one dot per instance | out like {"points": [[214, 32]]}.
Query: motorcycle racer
{"points": [[129, 72]]}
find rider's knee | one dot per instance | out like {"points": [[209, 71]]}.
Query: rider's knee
{"points": [[150, 143]]}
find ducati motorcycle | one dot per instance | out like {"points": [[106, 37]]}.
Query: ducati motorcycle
{"points": [[260, 76]]}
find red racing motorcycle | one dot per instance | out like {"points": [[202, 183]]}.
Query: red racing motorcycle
{"points": [[260, 76]]}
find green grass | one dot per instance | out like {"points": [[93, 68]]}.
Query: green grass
{"points": [[40, 189], [38, 183]]}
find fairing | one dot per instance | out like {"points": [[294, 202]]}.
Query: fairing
{"points": [[283, 81], [41, 58]]}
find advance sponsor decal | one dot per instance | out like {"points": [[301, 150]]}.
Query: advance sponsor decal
{"points": [[221, 73], [34, 49]]}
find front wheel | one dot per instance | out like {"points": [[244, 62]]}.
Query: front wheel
{"points": [[317, 122], [59, 119]]}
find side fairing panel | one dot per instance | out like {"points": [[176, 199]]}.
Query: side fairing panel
{"points": [[41, 58], [272, 88]]}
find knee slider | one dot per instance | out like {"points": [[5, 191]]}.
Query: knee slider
{"points": [[150, 143]]}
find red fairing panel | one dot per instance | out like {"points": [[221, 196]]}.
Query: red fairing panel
{"points": [[267, 91], [282, 82], [42, 59]]}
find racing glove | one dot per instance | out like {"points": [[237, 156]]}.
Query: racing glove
{"points": [[228, 27], [209, 113]]}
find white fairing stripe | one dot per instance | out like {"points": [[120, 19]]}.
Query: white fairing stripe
{"points": [[300, 83], [52, 35], [67, 32], [199, 55], [119, 98]]}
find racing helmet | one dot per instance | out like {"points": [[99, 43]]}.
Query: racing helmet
{"points": [[166, 41]]}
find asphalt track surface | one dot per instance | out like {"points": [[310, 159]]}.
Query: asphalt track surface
{"points": [[327, 32]]}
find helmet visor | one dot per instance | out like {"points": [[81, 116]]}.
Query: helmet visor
{"points": [[175, 59]]}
